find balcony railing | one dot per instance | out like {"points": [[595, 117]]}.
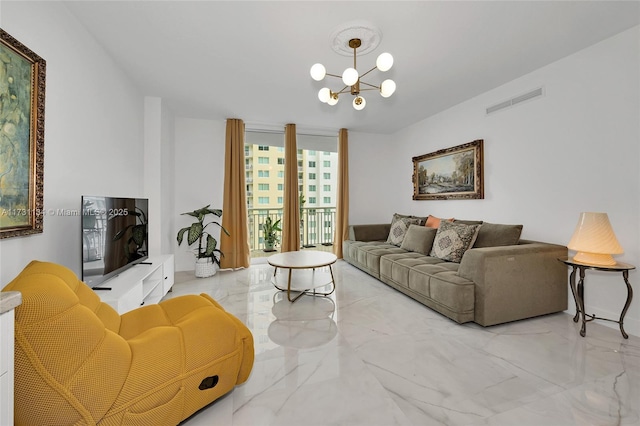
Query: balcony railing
{"points": [[317, 225]]}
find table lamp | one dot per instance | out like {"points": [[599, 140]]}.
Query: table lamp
{"points": [[594, 240]]}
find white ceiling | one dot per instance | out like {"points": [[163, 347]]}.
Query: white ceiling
{"points": [[251, 60]]}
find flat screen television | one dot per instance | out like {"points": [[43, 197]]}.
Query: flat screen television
{"points": [[114, 236]]}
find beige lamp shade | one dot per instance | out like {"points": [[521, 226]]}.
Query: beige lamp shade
{"points": [[594, 240]]}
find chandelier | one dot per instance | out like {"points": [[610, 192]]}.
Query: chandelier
{"points": [[351, 78]]}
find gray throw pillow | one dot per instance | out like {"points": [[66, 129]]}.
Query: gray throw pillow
{"points": [[419, 239], [399, 227], [453, 240], [494, 235]]}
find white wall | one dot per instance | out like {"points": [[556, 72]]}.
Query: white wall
{"points": [[199, 176], [152, 170], [168, 220], [93, 130], [575, 149], [373, 178], [159, 174]]}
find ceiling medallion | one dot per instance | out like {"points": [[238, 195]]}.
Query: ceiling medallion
{"points": [[351, 39], [368, 35]]}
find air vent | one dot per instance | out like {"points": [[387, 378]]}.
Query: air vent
{"points": [[514, 101]]}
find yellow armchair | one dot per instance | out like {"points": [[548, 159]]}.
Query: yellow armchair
{"points": [[77, 362]]}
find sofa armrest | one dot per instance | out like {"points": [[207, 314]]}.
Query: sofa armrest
{"points": [[371, 232], [515, 282]]}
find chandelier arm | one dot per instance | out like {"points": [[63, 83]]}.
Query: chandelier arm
{"points": [[344, 89], [334, 75], [374, 88], [368, 72], [370, 85]]}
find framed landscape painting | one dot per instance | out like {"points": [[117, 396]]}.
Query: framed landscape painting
{"points": [[450, 174], [22, 88]]}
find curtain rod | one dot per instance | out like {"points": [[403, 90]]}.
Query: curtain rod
{"points": [[266, 128], [297, 133]]}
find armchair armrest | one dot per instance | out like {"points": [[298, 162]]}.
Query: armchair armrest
{"points": [[370, 232], [515, 282]]}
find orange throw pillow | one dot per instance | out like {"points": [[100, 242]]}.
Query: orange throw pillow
{"points": [[434, 222]]}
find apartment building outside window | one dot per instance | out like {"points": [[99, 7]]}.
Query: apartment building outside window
{"points": [[264, 165]]}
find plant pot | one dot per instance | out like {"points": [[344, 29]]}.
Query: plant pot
{"points": [[205, 267], [269, 247]]}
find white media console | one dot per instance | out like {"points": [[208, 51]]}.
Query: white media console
{"points": [[142, 284]]}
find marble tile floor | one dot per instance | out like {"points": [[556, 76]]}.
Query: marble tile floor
{"points": [[368, 355]]}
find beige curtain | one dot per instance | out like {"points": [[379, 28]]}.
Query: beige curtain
{"points": [[342, 202], [234, 208], [291, 208]]}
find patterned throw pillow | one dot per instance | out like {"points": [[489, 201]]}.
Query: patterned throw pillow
{"points": [[452, 240], [399, 226]]}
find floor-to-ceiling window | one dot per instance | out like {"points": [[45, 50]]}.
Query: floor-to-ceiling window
{"points": [[317, 180]]}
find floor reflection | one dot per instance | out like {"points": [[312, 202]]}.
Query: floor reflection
{"points": [[307, 323]]}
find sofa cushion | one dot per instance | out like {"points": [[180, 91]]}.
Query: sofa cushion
{"points": [[434, 222], [453, 240], [399, 226], [419, 239], [396, 266], [366, 255], [468, 222], [494, 235]]}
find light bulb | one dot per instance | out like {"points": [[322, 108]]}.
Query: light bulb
{"points": [[387, 88], [359, 103], [333, 99], [384, 62], [324, 94], [318, 72], [350, 76]]}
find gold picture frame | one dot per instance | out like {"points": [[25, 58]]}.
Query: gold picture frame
{"points": [[455, 173], [22, 91]]}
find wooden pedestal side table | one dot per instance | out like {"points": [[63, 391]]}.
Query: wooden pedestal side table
{"points": [[578, 291]]}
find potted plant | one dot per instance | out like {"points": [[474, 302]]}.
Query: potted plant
{"points": [[269, 229], [207, 254]]}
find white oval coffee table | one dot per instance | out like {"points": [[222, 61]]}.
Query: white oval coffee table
{"points": [[303, 277]]}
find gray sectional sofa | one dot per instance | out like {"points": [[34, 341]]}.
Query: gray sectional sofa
{"points": [[492, 284]]}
